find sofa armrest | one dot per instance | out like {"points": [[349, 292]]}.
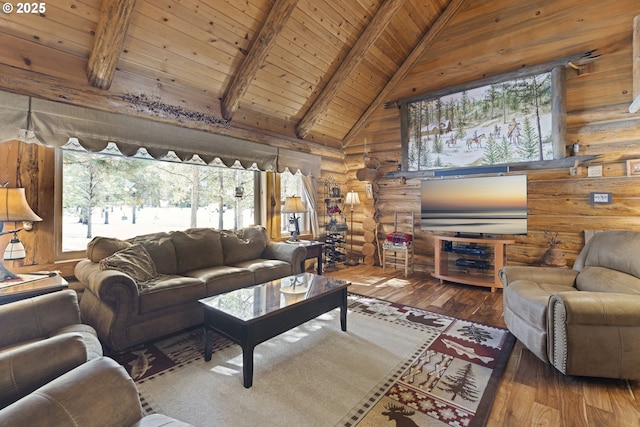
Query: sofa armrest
{"points": [[110, 300], [37, 317], [106, 285], [595, 334], [289, 252], [25, 368], [599, 308], [96, 393], [559, 276]]}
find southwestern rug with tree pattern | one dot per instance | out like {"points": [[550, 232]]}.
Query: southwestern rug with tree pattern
{"points": [[446, 373]]}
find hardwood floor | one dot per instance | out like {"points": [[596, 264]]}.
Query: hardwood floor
{"points": [[531, 392]]}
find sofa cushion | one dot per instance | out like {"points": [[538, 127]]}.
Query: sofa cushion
{"points": [[197, 248], [223, 278], [134, 261], [170, 291], [600, 279], [265, 270], [160, 247], [245, 244], [101, 247]]}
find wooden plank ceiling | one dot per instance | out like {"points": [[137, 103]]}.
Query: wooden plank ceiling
{"points": [[299, 70]]}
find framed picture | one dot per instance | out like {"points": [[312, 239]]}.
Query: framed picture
{"points": [[502, 120], [633, 167], [368, 191]]}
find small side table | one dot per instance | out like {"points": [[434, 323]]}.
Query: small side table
{"points": [[314, 250], [31, 285]]}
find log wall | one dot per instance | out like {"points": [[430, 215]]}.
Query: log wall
{"points": [[485, 38], [480, 43]]}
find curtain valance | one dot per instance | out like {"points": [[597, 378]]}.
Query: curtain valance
{"points": [[14, 110], [53, 123]]}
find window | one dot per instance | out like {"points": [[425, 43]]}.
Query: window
{"points": [[291, 185], [116, 196]]}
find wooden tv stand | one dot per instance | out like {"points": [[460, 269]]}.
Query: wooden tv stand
{"points": [[469, 260]]}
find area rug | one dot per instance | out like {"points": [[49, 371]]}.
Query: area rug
{"points": [[395, 366]]}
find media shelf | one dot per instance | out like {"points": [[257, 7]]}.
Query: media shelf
{"points": [[470, 260]]}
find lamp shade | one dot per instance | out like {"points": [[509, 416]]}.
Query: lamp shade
{"points": [[14, 206], [15, 250], [352, 198], [293, 205]]}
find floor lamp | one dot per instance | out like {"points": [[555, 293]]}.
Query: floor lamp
{"points": [[352, 199], [14, 208]]}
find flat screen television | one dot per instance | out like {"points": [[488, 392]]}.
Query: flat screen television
{"points": [[475, 205]]}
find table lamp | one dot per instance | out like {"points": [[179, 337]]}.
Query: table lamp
{"points": [[13, 208], [293, 205], [352, 199]]}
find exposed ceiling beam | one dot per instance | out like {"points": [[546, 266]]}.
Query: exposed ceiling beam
{"points": [[115, 16], [262, 44], [373, 31], [417, 53]]}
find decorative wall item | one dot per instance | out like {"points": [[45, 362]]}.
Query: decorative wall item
{"points": [[506, 122], [368, 191], [633, 167]]}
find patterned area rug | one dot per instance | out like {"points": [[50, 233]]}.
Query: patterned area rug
{"points": [[448, 376]]}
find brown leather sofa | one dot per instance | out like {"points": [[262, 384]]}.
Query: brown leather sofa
{"points": [[98, 393], [41, 338], [149, 286], [584, 321]]}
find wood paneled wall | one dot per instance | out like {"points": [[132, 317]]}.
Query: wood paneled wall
{"points": [[34, 171], [484, 40]]}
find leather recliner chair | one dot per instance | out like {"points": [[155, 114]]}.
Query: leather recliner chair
{"points": [[98, 393], [584, 321], [41, 338]]}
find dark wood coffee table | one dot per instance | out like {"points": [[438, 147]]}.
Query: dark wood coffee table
{"points": [[250, 316]]}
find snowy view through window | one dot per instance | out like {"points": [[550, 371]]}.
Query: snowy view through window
{"points": [[116, 196]]}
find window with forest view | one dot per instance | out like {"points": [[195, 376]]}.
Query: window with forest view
{"points": [[495, 124], [117, 196], [291, 185]]}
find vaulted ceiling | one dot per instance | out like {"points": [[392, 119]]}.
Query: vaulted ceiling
{"points": [[296, 70]]}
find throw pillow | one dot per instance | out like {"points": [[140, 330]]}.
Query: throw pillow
{"points": [[134, 261], [101, 247]]}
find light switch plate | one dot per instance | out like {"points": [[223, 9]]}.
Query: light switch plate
{"points": [[594, 171]]}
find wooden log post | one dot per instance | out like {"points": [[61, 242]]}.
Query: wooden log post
{"points": [[635, 105], [559, 115]]}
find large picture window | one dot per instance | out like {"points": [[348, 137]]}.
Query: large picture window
{"points": [[498, 123], [117, 196]]}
